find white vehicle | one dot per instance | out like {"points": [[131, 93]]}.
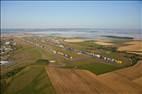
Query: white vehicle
{"points": [[4, 62], [52, 61]]}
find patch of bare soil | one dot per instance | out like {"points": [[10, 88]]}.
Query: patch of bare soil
{"points": [[70, 81], [74, 81], [138, 81], [104, 42], [131, 73], [132, 47], [124, 81], [74, 40]]}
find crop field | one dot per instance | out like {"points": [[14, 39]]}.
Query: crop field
{"points": [[133, 47], [31, 80], [50, 65], [70, 81], [125, 80], [75, 47], [134, 70], [22, 57], [75, 81]]}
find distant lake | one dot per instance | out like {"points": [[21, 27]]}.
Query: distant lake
{"points": [[79, 32]]}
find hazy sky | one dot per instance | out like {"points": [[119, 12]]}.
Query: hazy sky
{"points": [[71, 14]]}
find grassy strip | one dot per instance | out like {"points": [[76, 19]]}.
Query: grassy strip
{"points": [[119, 37], [98, 68]]}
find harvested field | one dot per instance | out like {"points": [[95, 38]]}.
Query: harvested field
{"points": [[127, 81], [138, 81], [131, 73], [69, 81], [39, 78], [133, 46], [120, 84], [74, 40], [104, 42], [74, 81]]}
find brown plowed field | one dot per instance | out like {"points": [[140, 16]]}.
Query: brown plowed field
{"points": [[131, 73], [138, 81], [74, 81], [133, 47], [69, 81], [120, 84], [126, 81]]}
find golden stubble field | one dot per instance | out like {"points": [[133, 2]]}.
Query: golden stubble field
{"points": [[132, 47]]}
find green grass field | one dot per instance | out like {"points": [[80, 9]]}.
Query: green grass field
{"points": [[26, 55], [98, 68], [31, 80]]}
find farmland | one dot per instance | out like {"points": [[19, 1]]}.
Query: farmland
{"points": [[70, 81], [31, 80], [50, 65], [71, 47]]}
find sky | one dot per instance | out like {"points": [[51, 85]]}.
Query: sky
{"points": [[71, 14]]}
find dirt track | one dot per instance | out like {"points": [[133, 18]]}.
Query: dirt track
{"points": [[71, 81]]}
